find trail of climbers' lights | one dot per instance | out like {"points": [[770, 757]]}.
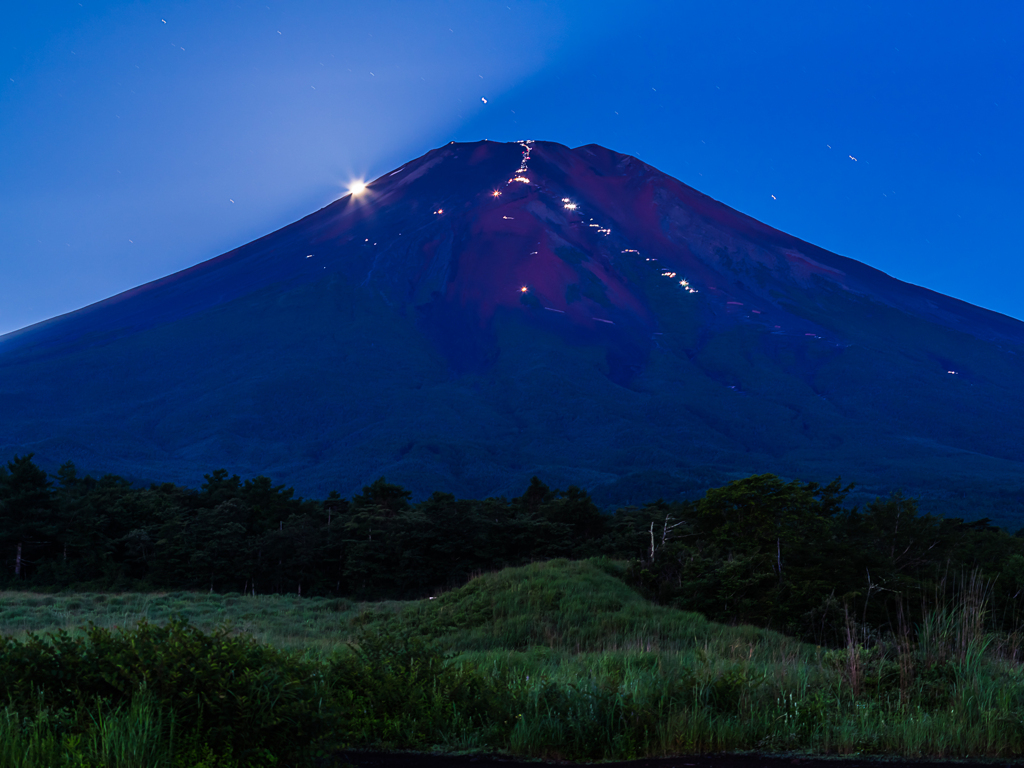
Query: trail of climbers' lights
{"points": [[684, 284], [569, 205], [439, 211], [526, 145]]}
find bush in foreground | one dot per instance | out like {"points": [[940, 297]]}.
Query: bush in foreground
{"points": [[226, 694]]}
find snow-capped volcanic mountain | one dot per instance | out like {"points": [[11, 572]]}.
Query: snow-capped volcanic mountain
{"points": [[493, 311]]}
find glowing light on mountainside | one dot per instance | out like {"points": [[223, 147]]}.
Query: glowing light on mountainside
{"points": [[356, 188], [527, 146]]}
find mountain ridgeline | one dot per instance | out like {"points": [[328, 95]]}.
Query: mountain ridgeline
{"points": [[493, 311]]}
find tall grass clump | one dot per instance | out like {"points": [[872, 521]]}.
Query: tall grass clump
{"points": [[138, 735]]}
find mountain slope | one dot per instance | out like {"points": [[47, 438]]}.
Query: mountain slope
{"points": [[492, 311]]}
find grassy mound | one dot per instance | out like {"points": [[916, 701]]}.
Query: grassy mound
{"points": [[568, 606]]}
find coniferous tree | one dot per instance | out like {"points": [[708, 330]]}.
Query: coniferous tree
{"points": [[27, 514]]}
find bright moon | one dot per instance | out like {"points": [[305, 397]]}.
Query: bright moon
{"points": [[356, 188]]}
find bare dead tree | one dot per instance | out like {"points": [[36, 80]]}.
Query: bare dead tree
{"points": [[666, 530]]}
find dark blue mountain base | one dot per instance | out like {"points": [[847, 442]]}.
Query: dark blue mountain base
{"points": [[595, 323]]}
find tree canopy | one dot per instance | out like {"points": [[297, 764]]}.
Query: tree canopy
{"points": [[761, 550]]}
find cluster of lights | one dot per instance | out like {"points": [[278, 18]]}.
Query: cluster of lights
{"points": [[519, 176], [684, 284]]}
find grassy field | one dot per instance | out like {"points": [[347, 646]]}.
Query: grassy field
{"points": [[561, 659], [288, 622], [560, 605]]}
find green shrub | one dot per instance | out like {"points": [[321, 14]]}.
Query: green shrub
{"points": [[231, 693], [398, 690]]}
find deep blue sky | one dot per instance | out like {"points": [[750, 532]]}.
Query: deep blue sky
{"points": [[126, 129]]}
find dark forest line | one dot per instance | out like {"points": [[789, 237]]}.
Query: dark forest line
{"points": [[788, 555]]}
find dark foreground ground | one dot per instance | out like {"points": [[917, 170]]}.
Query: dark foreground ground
{"points": [[358, 759]]}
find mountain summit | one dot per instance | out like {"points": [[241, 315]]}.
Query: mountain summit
{"points": [[493, 311]]}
